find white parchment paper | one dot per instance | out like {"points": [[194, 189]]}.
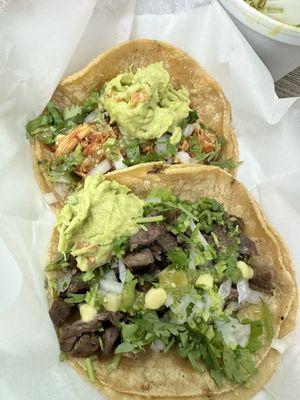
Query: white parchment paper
{"points": [[42, 40]]}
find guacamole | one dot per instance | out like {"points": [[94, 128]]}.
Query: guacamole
{"points": [[94, 217], [144, 104]]}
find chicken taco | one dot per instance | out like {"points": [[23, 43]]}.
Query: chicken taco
{"points": [[167, 282], [141, 101]]}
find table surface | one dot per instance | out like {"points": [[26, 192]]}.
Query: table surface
{"points": [[289, 85]]}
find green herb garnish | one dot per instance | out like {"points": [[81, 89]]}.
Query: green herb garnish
{"points": [[178, 258], [267, 320], [90, 369]]}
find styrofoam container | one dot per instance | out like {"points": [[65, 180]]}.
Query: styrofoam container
{"points": [[277, 43]]}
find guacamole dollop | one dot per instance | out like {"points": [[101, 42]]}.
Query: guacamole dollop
{"points": [[144, 104], [101, 212]]}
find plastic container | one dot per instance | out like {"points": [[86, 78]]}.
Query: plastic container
{"points": [[277, 43]]}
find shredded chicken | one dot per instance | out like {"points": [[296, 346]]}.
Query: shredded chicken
{"points": [[91, 141], [206, 141], [184, 146], [70, 141]]}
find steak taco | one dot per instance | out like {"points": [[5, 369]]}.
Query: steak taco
{"points": [[139, 102], [167, 282]]}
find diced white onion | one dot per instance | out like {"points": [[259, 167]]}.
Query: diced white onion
{"points": [[104, 166], [247, 294], [192, 225], [234, 333], [180, 309], [208, 300], [243, 290], [161, 144], [122, 271], [183, 157], [111, 286], [110, 276], [157, 346], [198, 308], [242, 334], [61, 189], [225, 288], [92, 116], [201, 237], [50, 198], [255, 297], [119, 164], [153, 200], [192, 263], [200, 305], [282, 344], [161, 147], [279, 345], [188, 130], [63, 282], [169, 301]]}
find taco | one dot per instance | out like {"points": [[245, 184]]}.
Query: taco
{"points": [[167, 282], [141, 101]]}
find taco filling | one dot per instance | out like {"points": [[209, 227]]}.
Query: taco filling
{"points": [[135, 117], [158, 274]]}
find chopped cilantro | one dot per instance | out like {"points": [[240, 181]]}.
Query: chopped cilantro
{"points": [[120, 246], [41, 121], [113, 363], [90, 369], [45, 283], [178, 258], [53, 122], [132, 151], [217, 376], [161, 193], [238, 364], [228, 164], [92, 102], [91, 296], [254, 342], [87, 276], [62, 356], [190, 119], [57, 118], [155, 218], [125, 347], [199, 344], [146, 278], [53, 266], [111, 147], [65, 165], [213, 157], [128, 294], [74, 298], [73, 113], [267, 320], [134, 156], [54, 288]]}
